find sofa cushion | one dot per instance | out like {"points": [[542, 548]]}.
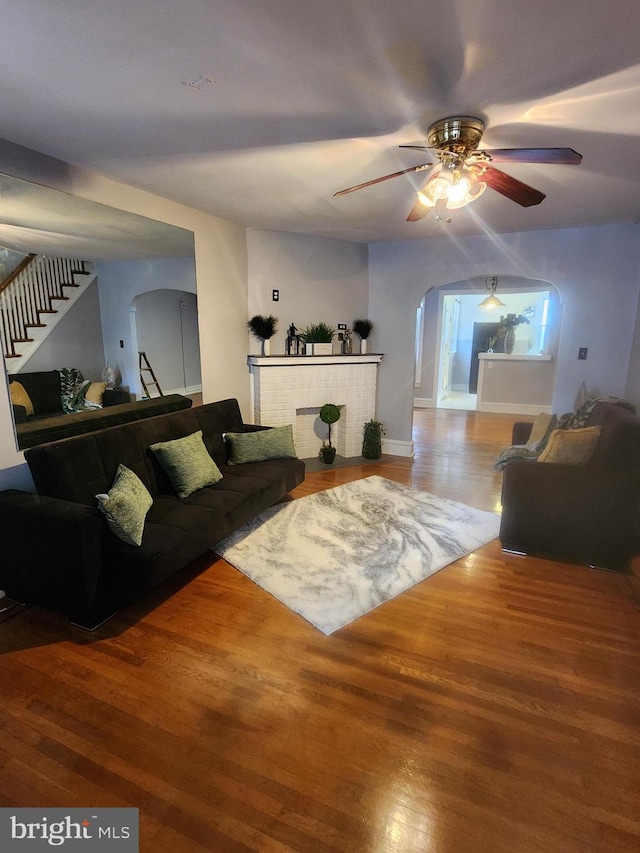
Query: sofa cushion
{"points": [[126, 506], [571, 447], [275, 443], [187, 463], [43, 387], [542, 428], [19, 397], [95, 392]]}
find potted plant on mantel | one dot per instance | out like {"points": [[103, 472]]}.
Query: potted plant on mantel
{"points": [[263, 328], [329, 414], [363, 329], [317, 338]]}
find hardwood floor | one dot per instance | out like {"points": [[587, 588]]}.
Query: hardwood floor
{"points": [[494, 707]]}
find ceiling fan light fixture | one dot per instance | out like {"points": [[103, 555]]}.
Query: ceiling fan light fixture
{"points": [[453, 186]]}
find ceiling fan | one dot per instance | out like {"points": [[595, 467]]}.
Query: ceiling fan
{"points": [[465, 172]]}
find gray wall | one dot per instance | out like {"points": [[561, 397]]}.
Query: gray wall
{"points": [[596, 271], [76, 341], [121, 284], [167, 324], [319, 279]]}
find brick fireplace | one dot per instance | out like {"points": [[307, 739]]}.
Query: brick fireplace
{"points": [[291, 390]]}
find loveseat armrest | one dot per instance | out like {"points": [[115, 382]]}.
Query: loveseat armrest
{"points": [[571, 513], [521, 432], [115, 396], [51, 554]]}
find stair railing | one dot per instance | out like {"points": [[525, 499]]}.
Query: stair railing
{"points": [[29, 293]]}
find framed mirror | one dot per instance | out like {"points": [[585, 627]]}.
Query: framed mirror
{"points": [[82, 288]]}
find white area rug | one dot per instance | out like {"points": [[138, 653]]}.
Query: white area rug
{"points": [[335, 555]]}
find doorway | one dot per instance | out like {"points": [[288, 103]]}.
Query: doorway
{"points": [[454, 329]]}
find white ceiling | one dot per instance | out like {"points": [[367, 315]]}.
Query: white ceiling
{"points": [[311, 96]]}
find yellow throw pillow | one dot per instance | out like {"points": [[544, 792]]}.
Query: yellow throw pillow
{"points": [[571, 446], [95, 392], [19, 397]]}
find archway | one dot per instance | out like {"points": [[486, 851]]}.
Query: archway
{"points": [[446, 375], [166, 329]]}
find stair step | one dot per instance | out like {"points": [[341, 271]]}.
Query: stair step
{"points": [[69, 284], [22, 340], [47, 311], [13, 355], [64, 298], [35, 325]]}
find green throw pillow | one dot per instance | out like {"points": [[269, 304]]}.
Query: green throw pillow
{"points": [[126, 506], [187, 463], [274, 443]]}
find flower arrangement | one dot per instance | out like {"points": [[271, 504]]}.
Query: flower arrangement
{"points": [[512, 320]]}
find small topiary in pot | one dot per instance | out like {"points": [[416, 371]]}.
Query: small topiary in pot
{"points": [[329, 414]]}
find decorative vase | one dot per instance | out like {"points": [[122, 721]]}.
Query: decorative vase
{"points": [[266, 346], [509, 340], [108, 376], [328, 454], [363, 346]]}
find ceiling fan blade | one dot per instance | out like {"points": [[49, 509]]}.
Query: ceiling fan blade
{"points": [[560, 156], [418, 211], [419, 168], [512, 188]]}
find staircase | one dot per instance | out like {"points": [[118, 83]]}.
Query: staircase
{"points": [[33, 300]]}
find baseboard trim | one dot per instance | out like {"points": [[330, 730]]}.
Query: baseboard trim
{"points": [[191, 389], [514, 408], [422, 403], [395, 447]]}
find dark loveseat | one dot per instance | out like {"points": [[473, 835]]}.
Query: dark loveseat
{"points": [[584, 514], [56, 547], [50, 423]]}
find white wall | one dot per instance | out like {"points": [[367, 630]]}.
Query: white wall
{"points": [[596, 271], [221, 275], [319, 279]]}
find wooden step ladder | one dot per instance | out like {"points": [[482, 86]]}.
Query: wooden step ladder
{"points": [[145, 367]]}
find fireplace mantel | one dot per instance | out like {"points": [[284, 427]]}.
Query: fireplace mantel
{"points": [[311, 360], [290, 389]]}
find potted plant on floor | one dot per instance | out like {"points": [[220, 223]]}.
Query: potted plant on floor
{"points": [[317, 338], [263, 328], [329, 414], [372, 440], [363, 329]]}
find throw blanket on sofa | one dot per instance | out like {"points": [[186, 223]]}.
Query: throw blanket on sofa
{"points": [[73, 387], [570, 420]]}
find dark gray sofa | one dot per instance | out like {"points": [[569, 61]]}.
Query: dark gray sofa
{"points": [[50, 423], [582, 514], [56, 548]]}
